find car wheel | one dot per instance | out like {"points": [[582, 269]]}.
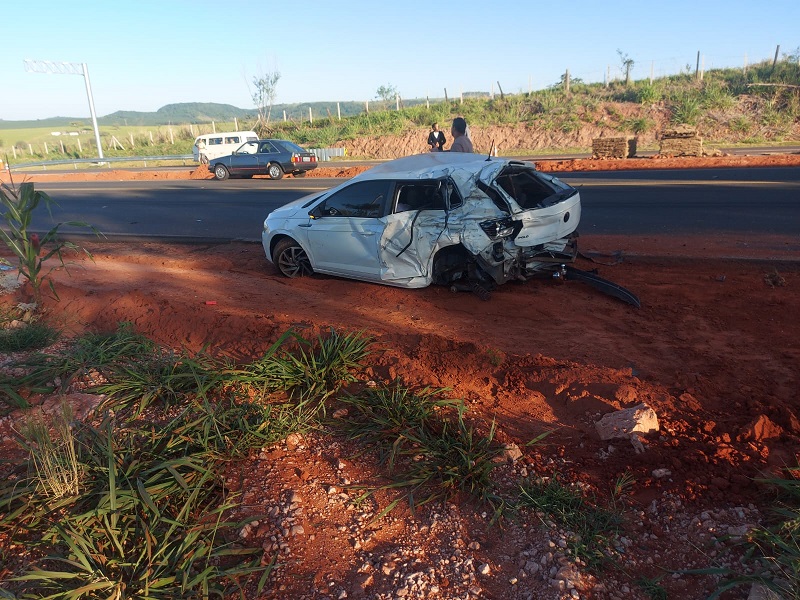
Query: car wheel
{"points": [[291, 259], [203, 159], [221, 173], [275, 171]]}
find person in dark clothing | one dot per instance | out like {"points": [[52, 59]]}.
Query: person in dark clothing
{"points": [[436, 139]]}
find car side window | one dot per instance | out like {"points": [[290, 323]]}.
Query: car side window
{"points": [[214, 141], [365, 199], [415, 196], [231, 140], [248, 148], [267, 148]]}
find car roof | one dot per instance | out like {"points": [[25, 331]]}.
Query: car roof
{"points": [[434, 165]]}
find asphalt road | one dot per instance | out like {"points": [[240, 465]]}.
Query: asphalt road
{"points": [[757, 201]]}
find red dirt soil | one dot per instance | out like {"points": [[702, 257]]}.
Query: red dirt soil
{"points": [[714, 349]]}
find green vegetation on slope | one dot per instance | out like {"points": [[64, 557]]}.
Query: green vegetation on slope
{"points": [[761, 105]]}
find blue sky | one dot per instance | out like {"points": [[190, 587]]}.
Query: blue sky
{"points": [[142, 55]]}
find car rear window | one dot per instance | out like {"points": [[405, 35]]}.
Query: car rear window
{"points": [[527, 190], [293, 147]]}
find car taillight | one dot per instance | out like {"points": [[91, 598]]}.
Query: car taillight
{"points": [[295, 158]]}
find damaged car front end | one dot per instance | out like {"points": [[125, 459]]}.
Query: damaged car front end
{"points": [[461, 220]]}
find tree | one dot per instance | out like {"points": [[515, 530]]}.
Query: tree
{"points": [[387, 93], [264, 94], [627, 65]]}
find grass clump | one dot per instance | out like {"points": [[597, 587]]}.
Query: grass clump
{"points": [[27, 336], [54, 457], [150, 521], [431, 454], [775, 547], [591, 529]]}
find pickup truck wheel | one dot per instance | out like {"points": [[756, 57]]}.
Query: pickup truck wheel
{"points": [[275, 171], [221, 173]]}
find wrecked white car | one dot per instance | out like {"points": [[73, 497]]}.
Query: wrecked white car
{"points": [[462, 220]]}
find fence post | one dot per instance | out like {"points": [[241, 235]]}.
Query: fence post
{"points": [[697, 66], [445, 95], [62, 146], [130, 135], [172, 137], [30, 149], [151, 136], [284, 116], [80, 150], [366, 104], [14, 151], [46, 151], [339, 111], [236, 123], [310, 116], [213, 127], [775, 60]]}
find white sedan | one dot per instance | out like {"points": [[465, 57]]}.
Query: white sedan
{"points": [[462, 220]]}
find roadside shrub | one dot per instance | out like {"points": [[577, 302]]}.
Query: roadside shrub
{"points": [[31, 250], [685, 109]]}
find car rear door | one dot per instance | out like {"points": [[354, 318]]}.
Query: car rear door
{"points": [[267, 153]]}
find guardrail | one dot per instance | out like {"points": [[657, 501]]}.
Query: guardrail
{"points": [[322, 154], [103, 161]]}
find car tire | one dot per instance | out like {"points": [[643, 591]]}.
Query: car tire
{"points": [[275, 171], [290, 259], [221, 173]]}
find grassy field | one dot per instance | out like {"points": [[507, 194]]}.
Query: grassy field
{"points": [[727, 106]]}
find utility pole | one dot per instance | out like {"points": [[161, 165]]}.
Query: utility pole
{"points": [[65, 68]]}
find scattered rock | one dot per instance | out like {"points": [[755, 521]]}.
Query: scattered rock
{"points": [[624, 423]]}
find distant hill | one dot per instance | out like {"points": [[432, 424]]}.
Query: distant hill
{"points": [[203, 112]]}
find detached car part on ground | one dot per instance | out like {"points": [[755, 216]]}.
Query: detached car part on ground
{"points": [[264, 157], [461, 220]]}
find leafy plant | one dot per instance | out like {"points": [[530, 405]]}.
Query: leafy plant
{"points": [[32, 252]]}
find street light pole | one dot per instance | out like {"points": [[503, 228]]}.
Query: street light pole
{"points": [[65, 68]]}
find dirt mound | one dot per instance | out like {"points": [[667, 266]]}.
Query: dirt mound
{"points": [[714, 350]]}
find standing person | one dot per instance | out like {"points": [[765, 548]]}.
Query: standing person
{"points": [[461, 143], [436, 139]]}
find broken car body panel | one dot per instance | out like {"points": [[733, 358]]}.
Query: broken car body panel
{"points": [[432, 218]]}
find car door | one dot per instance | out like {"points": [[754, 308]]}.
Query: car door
{"points": [[346, 228], [416, 225], [244, 161], [267, 153]]}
